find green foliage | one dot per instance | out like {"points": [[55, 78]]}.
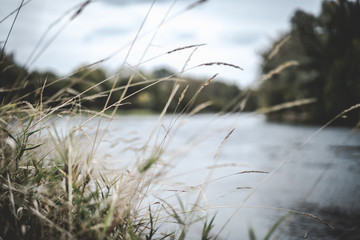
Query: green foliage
{"points": [[275, 226], [207, 229], [327, 48], [272, 229], [251, 234], [13, 79], [148, 163]]}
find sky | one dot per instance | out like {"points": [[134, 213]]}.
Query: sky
{"points": [[49, 35]]}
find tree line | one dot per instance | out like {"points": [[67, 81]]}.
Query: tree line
{"points": [[309, 74], [325, 52], [93, 88]]}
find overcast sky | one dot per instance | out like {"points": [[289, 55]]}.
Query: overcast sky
{"points": [[234, 31]]}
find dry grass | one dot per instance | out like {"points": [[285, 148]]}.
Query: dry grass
{"points": [[51, 184], [52, 187]]}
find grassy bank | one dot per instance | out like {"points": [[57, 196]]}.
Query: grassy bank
{"points": [[50, 187]]}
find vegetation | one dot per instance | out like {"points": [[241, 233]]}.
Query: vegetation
{"points": [[50, 187], [94, 93], [317, 60]]}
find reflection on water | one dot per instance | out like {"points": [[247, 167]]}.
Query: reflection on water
{"points": [[318, 175]]}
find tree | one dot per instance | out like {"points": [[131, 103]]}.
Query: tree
{"points": [[327, 48]]}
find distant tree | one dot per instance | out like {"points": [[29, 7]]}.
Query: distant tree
{"points": [[12, 79], [86, 88], [327, 48]]}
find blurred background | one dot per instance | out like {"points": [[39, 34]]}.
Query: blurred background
{"points": [[233, 31]]}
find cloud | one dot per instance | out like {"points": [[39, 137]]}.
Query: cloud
{"points": [[186, 35], [244, 38], [107, 32], [110, 31]]}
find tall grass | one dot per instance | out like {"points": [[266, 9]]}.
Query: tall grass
{"points": [[52, 187], [51, 184]]}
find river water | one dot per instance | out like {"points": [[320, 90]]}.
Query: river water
{"points": [[256, 171]]}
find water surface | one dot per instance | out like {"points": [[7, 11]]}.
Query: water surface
{"points": [[316, 174]]}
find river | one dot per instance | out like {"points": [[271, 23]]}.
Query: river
{"points": [[257, 171]]}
